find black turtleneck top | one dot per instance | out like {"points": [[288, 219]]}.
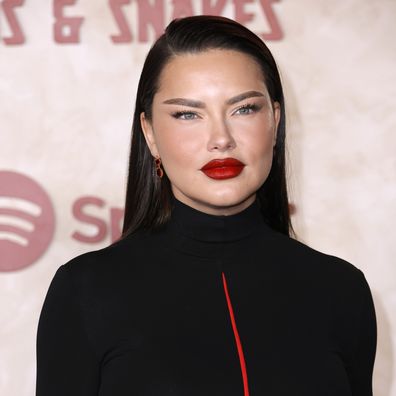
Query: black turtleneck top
{"points": [[209, 306]]}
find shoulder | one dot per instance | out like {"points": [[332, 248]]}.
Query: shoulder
{"points": [[331, 284], [311, 265], [109, 266], [124, 250]]}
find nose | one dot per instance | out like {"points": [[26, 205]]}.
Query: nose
{"points": [[220, 138]]}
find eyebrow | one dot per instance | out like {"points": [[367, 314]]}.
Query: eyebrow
{"points": [[185, 102], [243, 96], [200, 105]]}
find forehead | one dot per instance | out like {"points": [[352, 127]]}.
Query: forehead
{"points": [[227, 70]]}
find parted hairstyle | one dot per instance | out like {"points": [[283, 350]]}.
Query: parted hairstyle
{"points": [[149, 198]]}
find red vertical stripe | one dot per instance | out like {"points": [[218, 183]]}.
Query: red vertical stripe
{"points": [[237, 339]]}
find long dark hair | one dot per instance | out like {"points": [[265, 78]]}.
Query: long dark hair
{"points": [[148, 198]]}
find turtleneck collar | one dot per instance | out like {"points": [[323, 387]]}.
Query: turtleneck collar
{"points": [[204, 227]]}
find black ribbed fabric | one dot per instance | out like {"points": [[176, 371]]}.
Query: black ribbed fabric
{"points": [[148, 315]]}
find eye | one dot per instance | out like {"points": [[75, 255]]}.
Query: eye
{"points": [[185, 115], [247, 109]]}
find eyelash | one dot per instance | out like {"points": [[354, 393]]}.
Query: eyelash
{"points": [[180, 114], [249, 106]]}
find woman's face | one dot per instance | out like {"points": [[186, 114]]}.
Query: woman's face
{"points": [[214, 127]]}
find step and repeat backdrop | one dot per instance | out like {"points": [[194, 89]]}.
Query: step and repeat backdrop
{"points": [[68, 76]]}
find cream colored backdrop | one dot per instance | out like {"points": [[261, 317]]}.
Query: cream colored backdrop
{"points": [[65, 118]]}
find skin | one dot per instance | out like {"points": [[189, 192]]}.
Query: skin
{"points": [[225, 112]]}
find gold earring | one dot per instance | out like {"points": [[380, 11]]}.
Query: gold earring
{"points": [[158, 168]]}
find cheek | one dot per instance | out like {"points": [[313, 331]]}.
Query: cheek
{"points": [[177, 147], [261, 162], [257, 141]]}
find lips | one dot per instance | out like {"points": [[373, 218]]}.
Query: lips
{"points": [[221, 169]]}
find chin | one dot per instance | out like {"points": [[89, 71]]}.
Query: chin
{"points": [[231, 200]]}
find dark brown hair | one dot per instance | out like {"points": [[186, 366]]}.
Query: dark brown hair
{"points": [[148, 198]]}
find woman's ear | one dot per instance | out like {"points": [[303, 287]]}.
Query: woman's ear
{"points": [[277, 114], [148, 133]]}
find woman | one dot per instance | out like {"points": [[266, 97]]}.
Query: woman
{"points": [[206, 293]]}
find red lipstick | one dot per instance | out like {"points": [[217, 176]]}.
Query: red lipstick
{"points": [[221, 169]]}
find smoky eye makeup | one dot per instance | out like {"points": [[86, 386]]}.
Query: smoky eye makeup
{"points": [[248, 108], [244, 109], [184, 115]]}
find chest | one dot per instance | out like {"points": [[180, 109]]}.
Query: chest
{"points": [[172, 334]]}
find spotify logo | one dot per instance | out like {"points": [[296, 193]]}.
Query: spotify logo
{"points": [[27, 221]]}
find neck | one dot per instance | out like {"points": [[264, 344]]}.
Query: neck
{"points": [[224, 210], [198, 225]]}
